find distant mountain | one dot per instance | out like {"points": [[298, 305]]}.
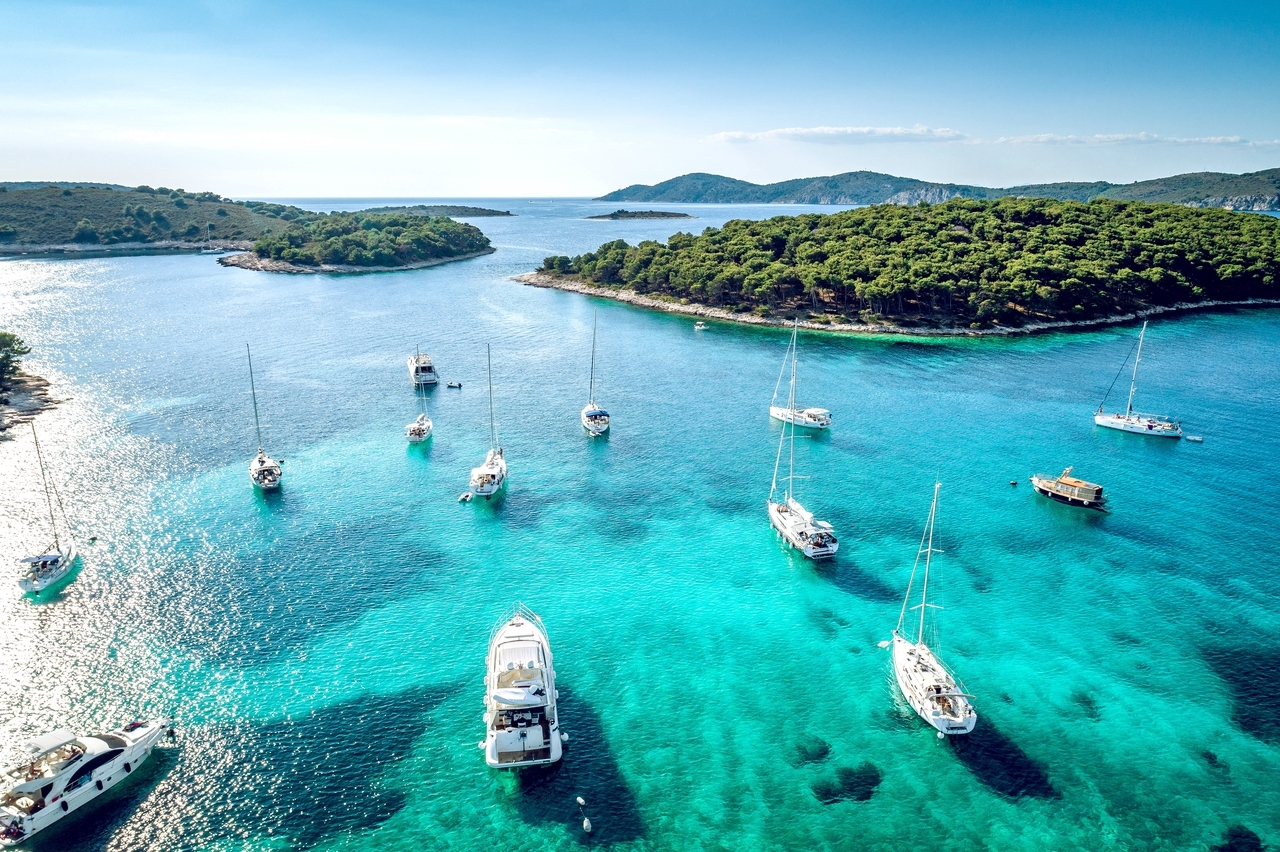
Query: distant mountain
{"points": [[1254, 191]]}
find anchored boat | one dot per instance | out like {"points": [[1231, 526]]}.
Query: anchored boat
{"points": [[1070, 490], [521, 726], [594, 418], [421, 370], [264, 471], [54, 563], [488, 478], [1131, 421], [63, 772], [809, 418]]}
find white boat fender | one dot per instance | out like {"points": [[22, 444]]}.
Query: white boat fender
{"points": [[564, 738], [582, 803], [941, 735], [586, 825], [480, 745]]}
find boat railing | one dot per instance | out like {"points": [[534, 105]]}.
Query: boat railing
{"points": [[518, 609]]}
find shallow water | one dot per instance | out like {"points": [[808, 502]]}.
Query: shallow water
{"points": [[322, 648]]}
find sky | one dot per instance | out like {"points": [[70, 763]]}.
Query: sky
{"points": [[473, 99]]}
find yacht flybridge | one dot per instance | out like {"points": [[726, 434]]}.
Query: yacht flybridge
{"points": [[809, 418], [1131, 421], [928, 685], [594, 418], [488, 478], [521, 727], [421, 370], [264, 471], [797, 525], [63, 772], [41, 572]]}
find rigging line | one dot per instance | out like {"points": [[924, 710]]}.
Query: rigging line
{"points": [[1117, 378], [66, 522], [907, 597], [45, 479], [778, 385]]}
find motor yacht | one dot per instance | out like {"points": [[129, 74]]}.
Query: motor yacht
{"points": [[1130, 421], [521, 726], [421, 370], [1070, 490], [54, 563], [63, 772]]}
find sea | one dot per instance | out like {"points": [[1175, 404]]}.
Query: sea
{"points": [[321, 649]]}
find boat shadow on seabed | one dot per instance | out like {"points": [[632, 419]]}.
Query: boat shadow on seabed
{"points": [[998, 762], [588, 769]]}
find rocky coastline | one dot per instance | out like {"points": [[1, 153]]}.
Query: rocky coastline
{"points": [[619, 294], [24, 398], [120, 249], [249, 260]]}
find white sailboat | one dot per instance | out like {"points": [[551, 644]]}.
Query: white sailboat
{"points": [[62, 772], [809, 418], [594, 418], [1131, 421], [420, 429], [488, 478], [421, 371], [927, 684], [798, 527], [264, 471], [521, 723], [41, 572]]}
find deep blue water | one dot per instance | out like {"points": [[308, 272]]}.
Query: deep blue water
{"points": [[322, 649]]}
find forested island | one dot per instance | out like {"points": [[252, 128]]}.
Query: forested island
{"points": [[641, 214], [363, 242], [964, 264], [441, 210]]}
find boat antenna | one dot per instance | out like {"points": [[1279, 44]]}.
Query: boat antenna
{"points": [[1102, 404], [493, 429], [1133, 385], [591, 389], [253, 390], [45, 479]]}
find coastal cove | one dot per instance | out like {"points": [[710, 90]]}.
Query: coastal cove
{"points": [[326, 643]]}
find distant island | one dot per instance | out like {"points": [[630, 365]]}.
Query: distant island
{"points": [[964, 266], [363, 242], [441, 210], [1256, 191], [642, 214]]}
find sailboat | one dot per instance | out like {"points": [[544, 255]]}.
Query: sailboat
{"points": [[54, 563], [815, 539], [594, 418], [928, 685], [1130, 421], [264, 471], [420, 429], [488, 478], [810, 418]]}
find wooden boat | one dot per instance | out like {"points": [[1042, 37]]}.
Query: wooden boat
{"points": [[1070, 490]]}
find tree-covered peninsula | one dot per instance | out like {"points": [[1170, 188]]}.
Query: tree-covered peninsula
{"points": [[370, 240], [968, 263]]}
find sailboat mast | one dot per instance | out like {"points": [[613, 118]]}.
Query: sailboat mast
{"points": [[493, 429], [783, 370], [257, 426], [791, 407], [591, 389], [45, 479], [1133, 384], [928, 558]]}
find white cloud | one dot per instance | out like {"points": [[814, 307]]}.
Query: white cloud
{"points": [[1127, 139], [845, 135]]}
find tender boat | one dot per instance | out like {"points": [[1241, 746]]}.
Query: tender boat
{"points": [[521, 726], [419, 430], [264, 471], [699, 326], [927, 684], [594, 418], [1131, 421], [421, 370], [63, 772], [488, 478], [808, 418], [51, 566], [1070, 490], [797, 525]]}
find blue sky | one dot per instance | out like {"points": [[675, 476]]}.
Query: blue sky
{"points": [[577, 98]]}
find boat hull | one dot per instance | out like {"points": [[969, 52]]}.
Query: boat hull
{"points": [[917, 670], [1139, 425], [42, 581], [521, 718], [796, 539], [490, 478], [800, 417], [1043, 490], [425, 376], [595, 426]]}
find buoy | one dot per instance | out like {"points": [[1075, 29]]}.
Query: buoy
{"points": [[92, 539], [582, 803], [1195, 439], [464, 497], [586, 825], [884, 644]]}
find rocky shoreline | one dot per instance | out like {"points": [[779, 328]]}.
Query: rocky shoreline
{"points": [[249, 260], [116, 249], [26, 397], [538, 279]]}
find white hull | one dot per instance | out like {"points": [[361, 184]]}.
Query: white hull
{"points": [[265, 472], [422, 372], [1140, 424], [489, 478], [419, 430], [42, 575], [808, 418], [815, 539], [930, 689], [521, 723], [595, 426], [111, 759]]}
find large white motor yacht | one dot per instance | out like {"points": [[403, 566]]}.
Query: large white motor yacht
{"points": [[64, 772], [422, 371], [54, 563], [815, 539], [1131, 421], [521, 727]]}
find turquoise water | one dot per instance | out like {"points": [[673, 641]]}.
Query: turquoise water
{"points": [[322, 648]]}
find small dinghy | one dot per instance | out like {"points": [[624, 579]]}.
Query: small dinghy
{"points": [[457, 385]]}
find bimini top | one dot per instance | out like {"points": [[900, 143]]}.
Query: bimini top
{"points": [[595, 412], [48, 557], [49, 741]]}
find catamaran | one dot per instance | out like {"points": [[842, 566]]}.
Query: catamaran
{"points": [[63, 772], [809, 418], [488, 478], [54, 563], [521, 726], [421, 370], [264, 471], [928, 685], [594, 418], [798, 527], [1131, 421]]}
